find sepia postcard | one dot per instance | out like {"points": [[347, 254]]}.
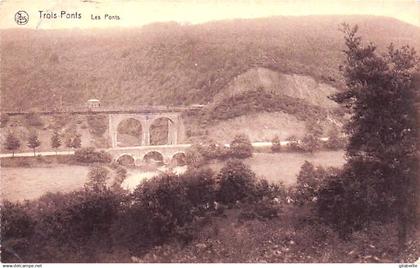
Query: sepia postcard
{"points": [[200, 131]]}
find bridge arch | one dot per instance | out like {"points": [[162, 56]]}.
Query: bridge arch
{"points": [[153, 156], [126, 160], [162, 131], [148, 128], [179, 159], [129, 132]]}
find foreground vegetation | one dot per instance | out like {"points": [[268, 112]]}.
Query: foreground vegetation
{"points": [[230, 216]]}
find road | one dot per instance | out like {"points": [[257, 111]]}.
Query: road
{"points": [[259, 144], [31, 154]]}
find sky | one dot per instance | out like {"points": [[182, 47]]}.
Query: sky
{"points": [[138, 13]]}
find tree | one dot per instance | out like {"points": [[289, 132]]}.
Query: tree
{"points": [[311, 141], [241, 146], [293, 143], [97, 178], [381, 152], [33, 141], [12, 143], [194, 157], [335, 140], [276, 146], [55, 141], [308, 182], [68, 142], [77, 142], [236, 182]]}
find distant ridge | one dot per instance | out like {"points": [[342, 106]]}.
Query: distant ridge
{"points": [[172, 64]]}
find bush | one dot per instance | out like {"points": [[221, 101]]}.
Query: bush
{"points": [[310, 143], [200, 187], [346, 204], [236, 182], [97, 178], [90, 155], [293, 144], [269, 191], [16, 230], [215, 151], [193, 156], [308, 183], [159, 208], [241, 147], [72, 227]]}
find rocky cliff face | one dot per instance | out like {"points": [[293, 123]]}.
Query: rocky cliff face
{"points": [[293, 85]]}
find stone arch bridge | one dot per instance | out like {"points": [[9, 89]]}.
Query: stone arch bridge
{"points": [[173, 137], [138, 154]]}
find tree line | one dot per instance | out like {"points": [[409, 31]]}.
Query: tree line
{"points": [[13, 143]]}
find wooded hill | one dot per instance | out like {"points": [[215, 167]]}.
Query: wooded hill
{"points": [[173, 64]]}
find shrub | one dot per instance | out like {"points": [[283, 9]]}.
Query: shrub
{"points": [[200, 187], [310, 143], [308, 183], [166, 197], [90, 155], [71, 227], [236, 182], [119, 177], [97, 178], [269, 191], [194, 157], [16, 230], [97, 209], [346, 204], [241, 147], [215, 151], [293, 144], [159, 208]]}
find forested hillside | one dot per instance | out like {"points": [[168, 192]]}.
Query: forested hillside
{"points": [[169, 63]]}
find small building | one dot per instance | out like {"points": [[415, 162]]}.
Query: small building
{"points": [[93, 103]]}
